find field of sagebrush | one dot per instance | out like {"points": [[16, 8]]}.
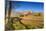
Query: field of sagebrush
{"points": [[27, 22]]}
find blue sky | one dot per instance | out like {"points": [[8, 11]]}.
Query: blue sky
{"points": [[27, 6]]}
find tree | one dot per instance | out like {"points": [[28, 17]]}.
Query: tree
{"points": [[9, 14]]}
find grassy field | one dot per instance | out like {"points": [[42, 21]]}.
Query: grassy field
{"points": [[30, 22]]}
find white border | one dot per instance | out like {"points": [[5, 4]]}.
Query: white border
{"points": [[2, 10], [2, 13], [29, 0]]}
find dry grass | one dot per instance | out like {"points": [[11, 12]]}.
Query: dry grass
{"points": [[35, 21]]}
